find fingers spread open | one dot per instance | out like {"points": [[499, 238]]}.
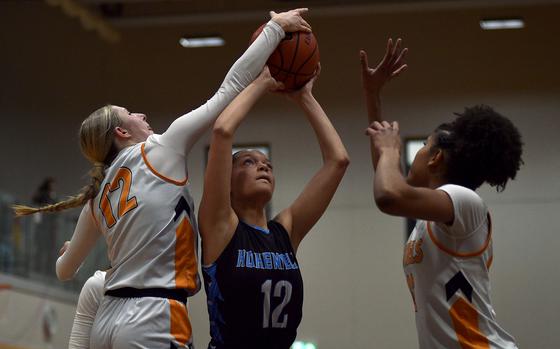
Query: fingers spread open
{"points": [[400, 70]]}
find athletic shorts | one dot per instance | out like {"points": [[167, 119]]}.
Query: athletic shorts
{"points": [[141, 323]]}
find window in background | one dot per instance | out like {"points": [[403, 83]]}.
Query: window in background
{"points": [[411, 147]]}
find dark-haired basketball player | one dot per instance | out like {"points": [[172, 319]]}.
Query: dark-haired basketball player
{"points": [[449, 253], [252, 277]]}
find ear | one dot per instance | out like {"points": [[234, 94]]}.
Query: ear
{"points": [[122, 132], [436, 159]]}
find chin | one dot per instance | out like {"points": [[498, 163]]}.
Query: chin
{"points": [[412, 182]]}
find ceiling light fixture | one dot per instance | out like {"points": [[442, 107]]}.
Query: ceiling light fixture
{"points": [[207, 41], [505, 23]]}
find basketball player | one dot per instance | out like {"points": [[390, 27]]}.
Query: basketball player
{"points": [[139, 201], [252, 277], [449, 253]]}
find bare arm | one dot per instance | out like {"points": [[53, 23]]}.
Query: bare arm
{"points": [[217, 220], [305, 211], [83, 240], [392, 194]]}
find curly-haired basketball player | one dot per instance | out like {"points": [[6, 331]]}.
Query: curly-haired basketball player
{"points": [[252, 277], [449, 253], [139, 200]]}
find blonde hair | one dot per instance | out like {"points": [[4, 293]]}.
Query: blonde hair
{"points": [[97, 145]]}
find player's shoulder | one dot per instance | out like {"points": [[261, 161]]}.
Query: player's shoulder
{"points": [[462, 195]]}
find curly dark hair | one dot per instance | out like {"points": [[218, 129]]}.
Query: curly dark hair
{"points": [[479, 146]]}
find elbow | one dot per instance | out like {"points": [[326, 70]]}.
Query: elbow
{"points": [[387, 201], [62, 273], [341, 162], [220, 130], [62, 276]]}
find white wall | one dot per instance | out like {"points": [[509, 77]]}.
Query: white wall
{"points": [[355, 291], [34, 315]]}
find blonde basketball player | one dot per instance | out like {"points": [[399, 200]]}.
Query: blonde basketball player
{"points": [[139, 200], [449, 253]]}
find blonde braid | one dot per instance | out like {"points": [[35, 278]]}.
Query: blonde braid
{"points": [[88, 192], [96, 142]]}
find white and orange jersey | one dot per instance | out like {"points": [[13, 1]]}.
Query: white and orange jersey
{"points": [[446, 269], [149, 224]]}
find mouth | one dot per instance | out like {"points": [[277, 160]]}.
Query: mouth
{"points": [[266, 178]]}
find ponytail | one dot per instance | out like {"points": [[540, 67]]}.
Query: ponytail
{"points": [[90, 191], [97, 145]]}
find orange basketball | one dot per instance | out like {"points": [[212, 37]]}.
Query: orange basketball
{"points": [[295, 60]]}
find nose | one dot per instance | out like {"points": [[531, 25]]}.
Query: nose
{"points": [[263, 167]]}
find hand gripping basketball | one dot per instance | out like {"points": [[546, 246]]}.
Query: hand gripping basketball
{"points": [[295, 60]]}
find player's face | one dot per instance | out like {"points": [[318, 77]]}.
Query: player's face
{"points": [[135, 123], [419, 174], [252, 177]]}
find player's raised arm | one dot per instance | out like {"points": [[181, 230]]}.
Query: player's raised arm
{"points": [[305, 211], [217, 219]]}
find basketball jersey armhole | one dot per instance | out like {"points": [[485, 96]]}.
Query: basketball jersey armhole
{"points": [[284, 233], [214, 264], [155, 172], [447, 250]]}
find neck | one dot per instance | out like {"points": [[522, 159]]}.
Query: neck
{"points": [[251, 212], [436, 182], [121, 144]]}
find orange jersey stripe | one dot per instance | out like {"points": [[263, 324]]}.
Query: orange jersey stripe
{"points": [[185, 260], [180, 326], [465, 321]]}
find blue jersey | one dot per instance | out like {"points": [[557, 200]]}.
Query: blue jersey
{"points": [[255, 290]]}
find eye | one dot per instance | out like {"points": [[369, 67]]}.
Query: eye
{"points": [[248, 161], [425, 142], [269, 165]]}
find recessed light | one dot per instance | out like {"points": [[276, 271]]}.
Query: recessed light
{"points": [[207, 41], [504, 23]]}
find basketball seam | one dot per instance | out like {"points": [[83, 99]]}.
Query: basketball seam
{"points": [[308, 58], [295, 53], [285, 71], [294, 57]]}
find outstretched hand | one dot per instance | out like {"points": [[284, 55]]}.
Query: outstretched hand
{"points": [[292, 21], [373, 79]]}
